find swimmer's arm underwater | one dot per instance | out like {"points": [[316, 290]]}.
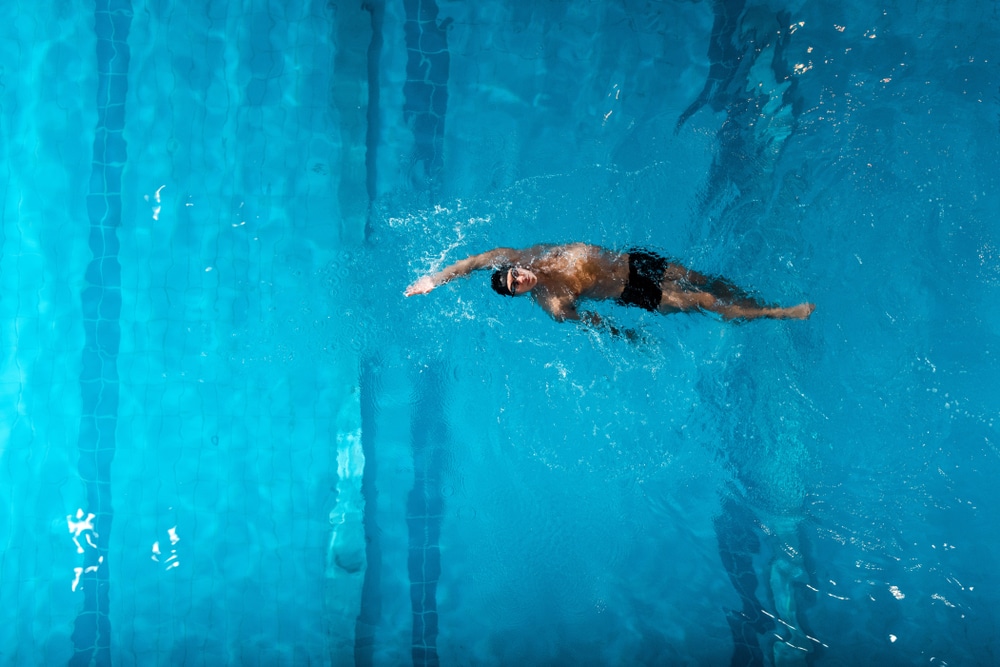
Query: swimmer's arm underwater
{"points": [[562, 310], [598, 323], [490, 258]]}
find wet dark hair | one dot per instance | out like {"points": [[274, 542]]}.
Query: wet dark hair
{"points": [[499, 281]]}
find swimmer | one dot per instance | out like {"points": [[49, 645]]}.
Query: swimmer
{"points": [[558, 277]]}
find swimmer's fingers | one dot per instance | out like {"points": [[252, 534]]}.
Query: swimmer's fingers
{"points": [[421, 286]]}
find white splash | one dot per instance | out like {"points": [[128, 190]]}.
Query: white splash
{"points": [[82, 526]]}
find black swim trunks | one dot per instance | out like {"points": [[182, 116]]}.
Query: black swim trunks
{"points": [[645, 273]]}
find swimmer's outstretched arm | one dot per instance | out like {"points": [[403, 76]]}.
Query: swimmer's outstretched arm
{"points": [[488, 259]]}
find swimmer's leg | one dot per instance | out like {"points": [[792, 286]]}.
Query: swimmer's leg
{"points": [[684, 277], [739, 312], [677, 299], [719, 287]]}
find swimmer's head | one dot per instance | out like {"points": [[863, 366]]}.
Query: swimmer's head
{"points": [[513, 281], [499, 281]]}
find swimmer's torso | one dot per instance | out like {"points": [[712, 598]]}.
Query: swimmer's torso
{"points": [[580, 271]]}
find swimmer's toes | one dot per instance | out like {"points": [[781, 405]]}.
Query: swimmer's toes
{"points": [[804, 310]]}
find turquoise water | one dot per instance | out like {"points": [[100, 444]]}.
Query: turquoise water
{"points": [[228, 439]]}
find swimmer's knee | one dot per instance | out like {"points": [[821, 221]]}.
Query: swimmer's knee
{"points": [[705, 300]]}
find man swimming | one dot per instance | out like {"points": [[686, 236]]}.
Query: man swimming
{"points": [[558, 276]]}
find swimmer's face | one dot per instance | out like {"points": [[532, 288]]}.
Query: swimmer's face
{"points": [[520, 281]]}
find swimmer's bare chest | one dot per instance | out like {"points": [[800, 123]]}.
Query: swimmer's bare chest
{"points": [[581, 271]]}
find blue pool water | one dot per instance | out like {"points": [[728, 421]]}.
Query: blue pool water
{"points": [[228, 438]]}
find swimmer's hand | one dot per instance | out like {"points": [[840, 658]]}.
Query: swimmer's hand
{"points": [[629, 335], [599, 323], [421, 286]]}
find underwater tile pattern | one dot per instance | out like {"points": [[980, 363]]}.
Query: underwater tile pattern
{"points": [[428, 63], [102, 302], [425, 512], [424, 110]]}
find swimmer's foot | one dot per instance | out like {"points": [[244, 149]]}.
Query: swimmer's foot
{"points": [[799, 312]]}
